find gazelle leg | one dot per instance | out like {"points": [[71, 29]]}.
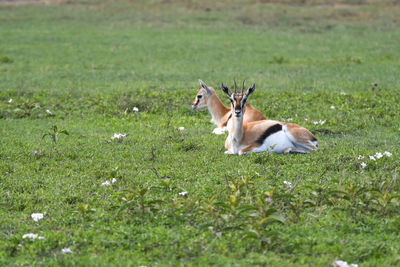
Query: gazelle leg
{"points": [[247, 149], [219, 130], [294, 150]]}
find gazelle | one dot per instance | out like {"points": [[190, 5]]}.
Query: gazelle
{"points": [[258, 136], [220, 114]]}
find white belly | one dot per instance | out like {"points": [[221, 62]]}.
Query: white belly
{"points": [[276, 142]]}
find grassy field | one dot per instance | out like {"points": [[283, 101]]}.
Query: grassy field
{"points": [[83, 66]]}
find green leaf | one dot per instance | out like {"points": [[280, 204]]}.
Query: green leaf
{"points": [[246, 208], [272, 218]]}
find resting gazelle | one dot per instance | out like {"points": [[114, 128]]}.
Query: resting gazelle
{"points": [[221, 115], [258, 136]]}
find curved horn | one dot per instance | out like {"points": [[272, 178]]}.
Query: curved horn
{"points": [[235, 84], [243, 86]]}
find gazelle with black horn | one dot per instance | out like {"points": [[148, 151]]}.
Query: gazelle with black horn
{"points": [[258, 136], [221, 114]]}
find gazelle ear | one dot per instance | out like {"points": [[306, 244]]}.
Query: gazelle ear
{"points": [[249, 92], [205, 87], [251, 89], [226, 90]]}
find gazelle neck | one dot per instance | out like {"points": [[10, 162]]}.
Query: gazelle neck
{"points": [[216, 108], [236, 130]]}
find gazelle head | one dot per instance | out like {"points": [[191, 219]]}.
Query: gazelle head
{"points": [[200, 101], [238, 100]]}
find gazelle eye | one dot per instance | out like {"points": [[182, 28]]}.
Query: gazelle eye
{"points": [[199, 96]]}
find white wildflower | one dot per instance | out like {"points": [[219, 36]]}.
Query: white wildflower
{"points": [[37, 216], [305, 119], [343, 93], [66, 251], [315, 122], [32, 236], [289, 119], [106, 183], [387, 154], [184, 193], [118, 136], [340, 263], [296, 115], [360, 157], [289, 184], [322, 122], [49, 112], [181, 128], [113, 180], [372, 158], [378, 155], [135, 109], [10, 101], [363, 165], [333, 107]]}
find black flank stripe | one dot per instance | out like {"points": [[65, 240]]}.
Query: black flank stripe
{"points": [[271, 130], [226, 123]]}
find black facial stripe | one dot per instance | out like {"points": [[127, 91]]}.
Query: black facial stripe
{"points": [[271, 130]]}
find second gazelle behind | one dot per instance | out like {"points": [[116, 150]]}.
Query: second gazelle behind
{"points": [[258, 136]]}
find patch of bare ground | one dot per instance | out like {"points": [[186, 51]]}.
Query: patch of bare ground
{"points": [[23, 2]]}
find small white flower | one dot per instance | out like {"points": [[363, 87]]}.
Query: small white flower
{"points": [[106, 183], [135, 109], [387, 154], [10, 101], [360, 157], [372, 158], [32, 236], [289, 119], [113, 180], [49, 112], [378, 155], [333, 107], [344, 264], [363, 165], [289, 184], [66, 251], [305, 119], [184, 193], [315, 122], [296, 115], [118, 136], [37, 216], [322, 122], [181, 128], [343, 93]]}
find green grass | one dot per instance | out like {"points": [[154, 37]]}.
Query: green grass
{"points": [[90, 62]]}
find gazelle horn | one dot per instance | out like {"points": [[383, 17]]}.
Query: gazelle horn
{"points": [[243, 86], [235, 84]]}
